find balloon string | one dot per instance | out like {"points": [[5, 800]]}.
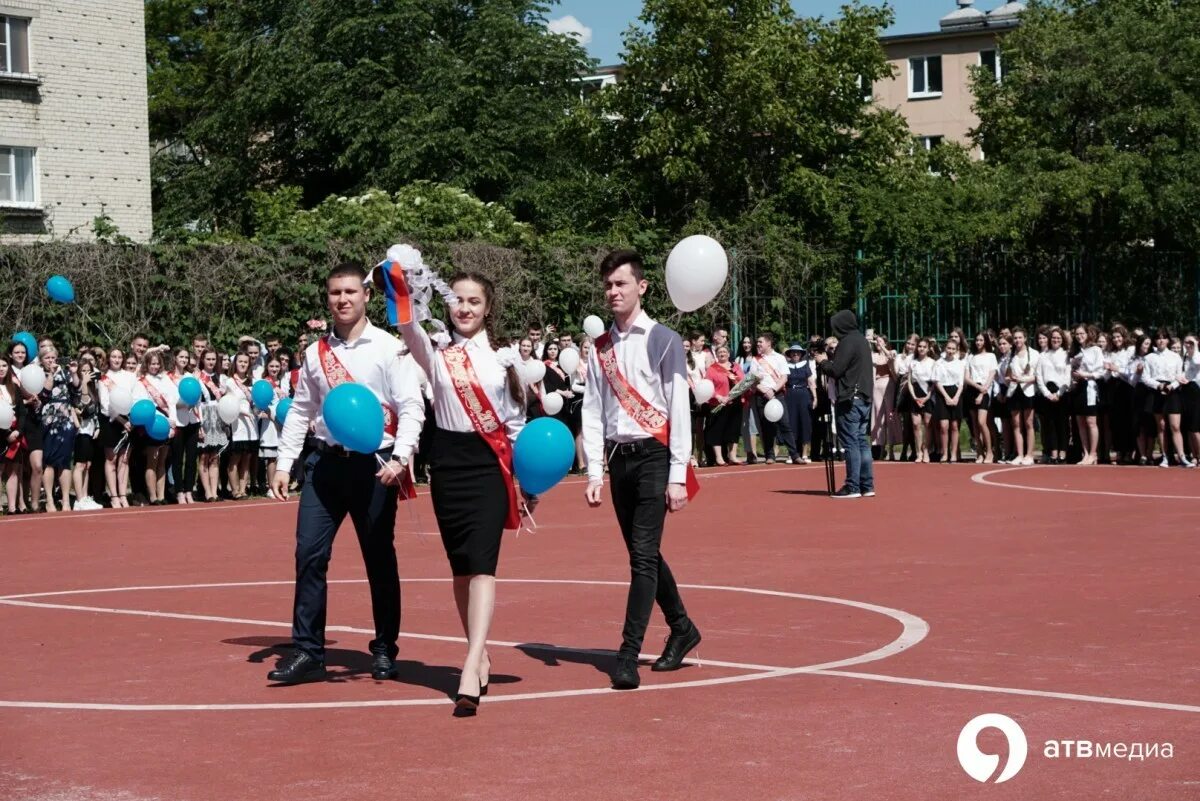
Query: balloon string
{"points": [[99, 328]]}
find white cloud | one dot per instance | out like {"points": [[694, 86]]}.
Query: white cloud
{"points": [[570, 26]]}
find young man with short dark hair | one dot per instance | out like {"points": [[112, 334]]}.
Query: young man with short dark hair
{"points": [[635, 414]]}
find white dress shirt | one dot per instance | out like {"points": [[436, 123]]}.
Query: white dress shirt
{"points": [[165, 387], [661, 385], [373, 361], [765, 379], [949, 372], [493, 378], [920, 371], [1165, 365], [118, 379], [1053, 366], [980, 365], [902, 364], [1120, 361], [245, 428], [1001, 384], [1191, 368], [1022, 372]]}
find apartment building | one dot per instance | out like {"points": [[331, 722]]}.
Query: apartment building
{"points": [[74, 140], [931, 83]]}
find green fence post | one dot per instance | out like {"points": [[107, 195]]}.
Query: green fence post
{"points": [[735, 316], [861, 305]]}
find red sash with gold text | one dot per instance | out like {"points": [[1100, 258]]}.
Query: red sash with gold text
{"points": [[772, 372], [216, 391], [485, 420], [652, 421], [336, 373]]}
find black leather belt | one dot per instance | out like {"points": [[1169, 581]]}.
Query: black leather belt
{"points": [[645, 445]]}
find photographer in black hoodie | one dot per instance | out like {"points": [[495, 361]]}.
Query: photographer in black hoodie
{"points": [[851, 368]]}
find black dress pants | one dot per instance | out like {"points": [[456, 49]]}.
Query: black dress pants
{"points": [[338, 486], [769, 431], [638, 474]]}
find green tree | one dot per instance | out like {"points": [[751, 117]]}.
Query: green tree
{"points": [[1095, 130], [336, 96]]}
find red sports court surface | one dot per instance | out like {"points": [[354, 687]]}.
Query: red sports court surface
{"points": [[846, 645]]}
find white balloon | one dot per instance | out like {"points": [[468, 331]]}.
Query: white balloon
{"points": [[7, 415], [703, 390], [552, 403], [33, 379], [534, 369], [228, 409], [696, 270], [773, 411], [568, 360], [120, 400], [593, 326]]}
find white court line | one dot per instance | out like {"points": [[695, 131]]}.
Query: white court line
{"points": [[914, 629], [984, 688], [981, 478]]}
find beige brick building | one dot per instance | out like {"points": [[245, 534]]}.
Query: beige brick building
{"points": [[931, 83], [74, 140]]}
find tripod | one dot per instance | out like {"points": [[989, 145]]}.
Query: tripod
{"points": [[828, 452]]}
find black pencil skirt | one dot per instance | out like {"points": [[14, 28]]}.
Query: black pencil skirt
{"points": [[470, 500]]}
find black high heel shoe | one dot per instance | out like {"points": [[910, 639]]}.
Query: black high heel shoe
{"points": [[468, 703]]}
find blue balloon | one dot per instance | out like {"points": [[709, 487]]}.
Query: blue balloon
{"points": [[542, 455], [354, 417], [159, 429], [281, 411], [60, 289], [262, 393], [142, 413], [30, 342], [189, 390]]}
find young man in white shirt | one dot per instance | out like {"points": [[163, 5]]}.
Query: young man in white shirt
{"points": [[635, 413], [771, 367], [342, 482]]}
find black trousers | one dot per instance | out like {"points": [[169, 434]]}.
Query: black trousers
{"points": [[770, 431], [338, 486], [639, 491], [183, 457]]}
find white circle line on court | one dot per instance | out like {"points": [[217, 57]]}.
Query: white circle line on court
{"points": [[914, 629], [982, 478]]}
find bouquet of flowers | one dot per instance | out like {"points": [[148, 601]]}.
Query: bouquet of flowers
{"points": [[738, 390], [316, 325]]}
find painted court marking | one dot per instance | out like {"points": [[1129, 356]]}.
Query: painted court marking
{"points": [[914, 629], [982, 478]]}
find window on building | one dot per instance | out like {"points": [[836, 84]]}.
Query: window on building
{"points": [[925, 76], [990, 61], [929, 142], [14, 45], [866, 89], [17, 175]]}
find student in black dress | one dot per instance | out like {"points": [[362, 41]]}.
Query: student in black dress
{"points": [[557, 382], [479, 405], [11, 450]]}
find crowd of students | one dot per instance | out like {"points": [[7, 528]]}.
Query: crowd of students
{"points": [[1093, 396]]}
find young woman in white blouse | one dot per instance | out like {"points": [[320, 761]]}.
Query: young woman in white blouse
{"points": [[155, 385], [948, 380], [479, 405], [901, 366], [187, 434], [1087, 373], [243, 445], [1022, 385], [1053, 384], [980, 376], [1161, 376], [1000, 428], [1190, 389], [1145, 427], [268, 426], [918, 386], [1117, 394], [115, 429]]}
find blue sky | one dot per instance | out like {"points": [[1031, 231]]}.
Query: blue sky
{"points": [[605, 20]]}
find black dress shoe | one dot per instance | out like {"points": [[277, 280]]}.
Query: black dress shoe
{"points": [[626, 677], [677, 647], [297, 669], [383, 668]]}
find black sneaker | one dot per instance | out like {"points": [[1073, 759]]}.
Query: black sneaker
{"points": [[868, 493], [297, 669], [626, 677], [846, 492]]}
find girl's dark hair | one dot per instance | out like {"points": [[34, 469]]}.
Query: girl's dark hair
{"points": [[516, 386], [988, 338], [9, 353], [1137, 345], [10, 381]]}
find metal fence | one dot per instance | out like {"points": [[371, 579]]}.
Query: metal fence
{"points": [[933, 293]]}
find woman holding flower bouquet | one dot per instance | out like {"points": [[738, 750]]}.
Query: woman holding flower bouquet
{"points": [[728, 401]]}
